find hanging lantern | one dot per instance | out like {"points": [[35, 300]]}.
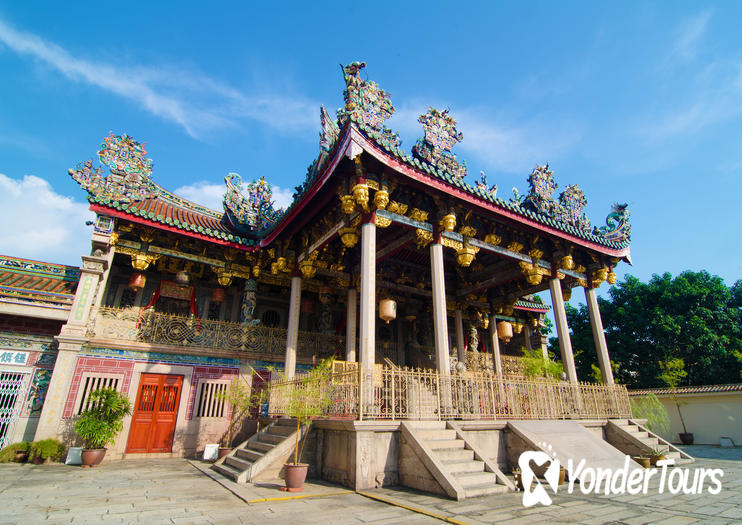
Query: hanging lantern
{"points": [[218, 295], [518, 327], [388, 310], [137, 281], [505, 331], [182, 277]]}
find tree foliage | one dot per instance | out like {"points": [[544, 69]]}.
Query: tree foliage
{"points": [[694, 317]]}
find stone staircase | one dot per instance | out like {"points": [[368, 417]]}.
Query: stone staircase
{"points": [[635, 439], [468, 473], [271, 445]]}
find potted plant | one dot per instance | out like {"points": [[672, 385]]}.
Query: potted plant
{"points": [[307, 398], [656, 454], [673, 370], [99, 425], [242, 398], [45, 450], [16, 452], [645, 462]]}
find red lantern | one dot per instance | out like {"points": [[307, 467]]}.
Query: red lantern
{"points": [[137, 281], [218, 295]]}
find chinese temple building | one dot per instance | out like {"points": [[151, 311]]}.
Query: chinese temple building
{"points": [[420, 284]]}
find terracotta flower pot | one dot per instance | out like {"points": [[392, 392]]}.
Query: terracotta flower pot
{"points": [[92, 456], [295, 476], [644, 462], [686, 438], [655, 459], [223, 451]]}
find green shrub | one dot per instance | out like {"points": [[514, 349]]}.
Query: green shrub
{"points": [[50, 449], [7, 454], [650, 408], [98, 425], [537, 366]]}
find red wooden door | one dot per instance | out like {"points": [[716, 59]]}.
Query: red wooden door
{"points": [[156, 410]]}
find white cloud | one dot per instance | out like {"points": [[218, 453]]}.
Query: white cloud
{"points": [[39, 223], [211, 195], [492, 142], [189, 99], [690, 33]]}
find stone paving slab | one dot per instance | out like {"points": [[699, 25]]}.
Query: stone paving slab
{"points": [[181, 491]]}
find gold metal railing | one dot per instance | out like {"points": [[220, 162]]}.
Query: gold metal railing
{"points": [[158, 328], [341, 390], [400, 393]]}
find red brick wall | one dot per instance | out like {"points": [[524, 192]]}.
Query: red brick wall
{"points": [[96, 365], [204, 373]]}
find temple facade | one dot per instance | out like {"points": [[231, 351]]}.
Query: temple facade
{"points": [[420, 285]]}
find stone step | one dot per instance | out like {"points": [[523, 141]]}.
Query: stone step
{"points": [[286, 422], [621, 422], [650, 441], [631, 429], [485, 489], [456, 467], [260, 446], [473, 479], [282, 430], [435, 444], [227, 471], [427, 425], [238, 463], [269, 437], [429, 435], [673, 455], [248, 455], [454, 454]]}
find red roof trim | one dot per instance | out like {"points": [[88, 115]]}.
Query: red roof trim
{"points": [[123, 215], [287, 219], [534, 309], [381, 156]]}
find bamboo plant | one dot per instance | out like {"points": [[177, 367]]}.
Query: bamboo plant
{"points": [[242, 398]]}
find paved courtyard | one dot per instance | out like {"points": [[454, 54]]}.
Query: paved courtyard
{"points": [[182, 491]]}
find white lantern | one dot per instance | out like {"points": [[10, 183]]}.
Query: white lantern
{"points": [[505, 331], [388, 310]]}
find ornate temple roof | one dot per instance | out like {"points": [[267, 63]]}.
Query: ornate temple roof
{"points": [[23, 281], [251, 219], [129, 192], [366, 109], [531, 306]]}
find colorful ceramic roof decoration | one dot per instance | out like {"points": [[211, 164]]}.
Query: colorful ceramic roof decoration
{"points": [[704, 389], [530, 306], [249, 207], [435, 146], [23, 281], [129, 177], [129, 192], [366, 103], [330, 131]]}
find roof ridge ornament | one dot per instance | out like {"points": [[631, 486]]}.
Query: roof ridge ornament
{"points": [[617, 227], [366, 103], [440, 136], [330, 131], [129, 178], [249, 207]]}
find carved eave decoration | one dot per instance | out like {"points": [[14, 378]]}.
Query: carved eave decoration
{"points": [[129, 174], [249, 208]]}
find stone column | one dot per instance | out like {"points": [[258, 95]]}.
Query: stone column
{"points": [[350, 326], [527, 336], [495, 343], [460, 348], [71, 338], [249, 301], [560, 317], [599, 336], [292, 334], [367, 342], [440, 327]]}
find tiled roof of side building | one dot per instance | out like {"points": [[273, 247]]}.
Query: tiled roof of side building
{"points": [[523, 304], [27, 281], [704, 389]]}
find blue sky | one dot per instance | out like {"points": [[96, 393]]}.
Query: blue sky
{"points": [[639, 102]]}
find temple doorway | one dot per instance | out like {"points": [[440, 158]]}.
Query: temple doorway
{"points": [[155, 414]]}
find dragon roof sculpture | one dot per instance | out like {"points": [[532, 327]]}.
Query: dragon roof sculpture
{"points": [[249, 207]]}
